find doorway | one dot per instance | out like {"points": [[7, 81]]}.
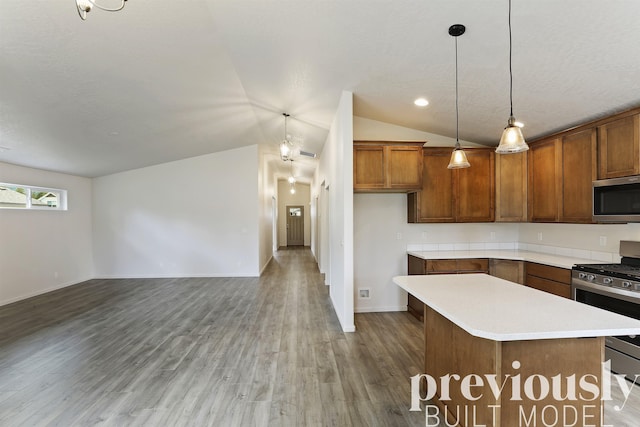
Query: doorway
{"points": [[295, 225]]}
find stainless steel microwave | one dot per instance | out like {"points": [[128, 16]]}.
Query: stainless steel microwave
{"points": [[617, 199]]}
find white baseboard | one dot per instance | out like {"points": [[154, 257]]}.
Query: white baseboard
{"points": [[43, 291], [168, 276], [379, 309]]}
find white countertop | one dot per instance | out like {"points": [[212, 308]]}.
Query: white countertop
{"points": [[499, 310], [548, 259]]}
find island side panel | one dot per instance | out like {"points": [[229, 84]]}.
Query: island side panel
{"points": [[564, 357], [451, 350]]}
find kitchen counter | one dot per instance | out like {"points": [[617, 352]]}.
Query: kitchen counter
{"points": [[477, 326], [516, 255], [495, 309]]}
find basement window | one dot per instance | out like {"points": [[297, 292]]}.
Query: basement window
{"points": [[17, 196]]}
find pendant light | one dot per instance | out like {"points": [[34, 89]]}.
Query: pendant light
{"points": [[458, 157], [512, 140], [285, 145]]}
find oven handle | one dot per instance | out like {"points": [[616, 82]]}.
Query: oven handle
{"points": [[598, 289]]}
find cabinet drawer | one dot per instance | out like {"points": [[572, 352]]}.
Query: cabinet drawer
{"points": [[556, 288], [557, 274]]}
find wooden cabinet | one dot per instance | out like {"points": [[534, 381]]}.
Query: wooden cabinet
{"points": [[561, 172], [458, 195], [545, 163], [511, 187], [507, 269], [550, 279], [619, 147], [387, 166], [579, 165], [418, 266]]}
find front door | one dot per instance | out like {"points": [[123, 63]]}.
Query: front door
{"points": [[295, 225]]}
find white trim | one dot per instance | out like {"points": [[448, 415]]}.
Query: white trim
{"points": [[171, 276], [43, 291], [380, 309], [266, 264]]}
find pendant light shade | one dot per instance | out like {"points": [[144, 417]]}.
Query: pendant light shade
{"points": [[285, 145], [458, 157], [512, 140]]}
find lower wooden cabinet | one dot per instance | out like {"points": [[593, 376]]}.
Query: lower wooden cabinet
{"points": [[418, 266], [550, 279], [507, 269]]}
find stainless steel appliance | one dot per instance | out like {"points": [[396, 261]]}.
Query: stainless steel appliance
{"points": [[616, 288], [617, 199]]}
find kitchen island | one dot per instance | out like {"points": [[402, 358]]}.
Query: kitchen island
{"points": [[507, 355]]}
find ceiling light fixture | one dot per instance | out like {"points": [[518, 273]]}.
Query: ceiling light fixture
{"points": [[421, 102], [286, 146], [458, 157], [512, 140], [291, 179], [85, 6]]}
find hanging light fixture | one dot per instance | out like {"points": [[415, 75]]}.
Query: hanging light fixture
{"points": [[286, 147], [458, 157], [85, 6], [512, 140], [291, 179]]}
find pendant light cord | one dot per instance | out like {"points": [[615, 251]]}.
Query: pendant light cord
{"points": [[457, 140], [510, 70]]}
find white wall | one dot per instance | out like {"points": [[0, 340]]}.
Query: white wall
{"points": [[44, 250], [373, 130], [267, 193], [381, 238], [285, 198], [335, 170], [192, 217]]}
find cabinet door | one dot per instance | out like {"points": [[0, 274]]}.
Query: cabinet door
{"points": [[619, 148], [550, 279], [368, 167], [510, 270], [578, 173], [472, 265], [511, 187], [474, 188], [545, 163], [435, 199], [404, 167]]}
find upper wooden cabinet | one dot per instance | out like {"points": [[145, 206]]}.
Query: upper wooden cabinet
{"points": [[579, 163], [511, 187], [458, 195], [619, 147], [545, 163], [387, 166], [561, 171]]}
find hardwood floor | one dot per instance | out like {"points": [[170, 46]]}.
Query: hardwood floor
{"points": [[208, 352]]}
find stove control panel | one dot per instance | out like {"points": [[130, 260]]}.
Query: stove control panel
{"points": [[604, 280]]}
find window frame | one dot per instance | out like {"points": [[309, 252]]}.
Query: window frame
{"points": [[30, 189]]}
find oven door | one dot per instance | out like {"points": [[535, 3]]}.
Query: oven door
{"points": [[615, 300]]}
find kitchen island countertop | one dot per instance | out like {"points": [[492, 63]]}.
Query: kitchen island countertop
{"points": [[499, 310]]}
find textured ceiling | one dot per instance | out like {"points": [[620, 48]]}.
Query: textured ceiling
{"points": [[160, 81]]}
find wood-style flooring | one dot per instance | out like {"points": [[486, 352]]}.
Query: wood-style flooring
{"points": [[210, 352]]}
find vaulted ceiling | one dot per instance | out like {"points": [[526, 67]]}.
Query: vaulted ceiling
{"points": [[166, 80]]}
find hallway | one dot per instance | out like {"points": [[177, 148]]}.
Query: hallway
{"points": [[205, 351]]}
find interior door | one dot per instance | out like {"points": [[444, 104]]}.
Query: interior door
{"points": [[295, 225]]}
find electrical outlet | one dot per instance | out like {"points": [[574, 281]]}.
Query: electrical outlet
{"points": [[540, 237], [603, 240], [364, 293], [424, 235], [493, 235], [399, 236]]}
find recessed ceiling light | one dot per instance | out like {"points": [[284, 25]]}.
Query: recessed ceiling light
{"points": [[421, 102]]}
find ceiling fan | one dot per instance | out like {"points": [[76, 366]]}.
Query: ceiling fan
{"points": [[290, 147]]}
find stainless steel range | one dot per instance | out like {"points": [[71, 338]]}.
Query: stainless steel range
{"points": [[614, 287]]}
